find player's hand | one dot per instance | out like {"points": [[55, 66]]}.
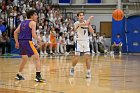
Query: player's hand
{"points": [[17, 45], [89, 19]]}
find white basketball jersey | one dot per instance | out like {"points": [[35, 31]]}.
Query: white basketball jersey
{"points": [[81, 32]]}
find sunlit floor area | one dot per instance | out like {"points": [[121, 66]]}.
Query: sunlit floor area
{"points": [[118, 74]]}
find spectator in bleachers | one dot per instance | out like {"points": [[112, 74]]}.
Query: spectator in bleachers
{"points": [[91, 41], [41, 14], [9, 11], [46, 26], [11, 24], [103, 42], [63, 28], [14, 11], [99, 42], [11, 21], [70, 44], [95, 38], [2, 27], [4, 8], [58, 43], [49, 17], [4, 15], [53, 42], [117, 43], [62, 43], [17, 20], [42, 44], [46, 39], [57, 26], [5, 42], [16, 2], [39, 30], [39, 5]]}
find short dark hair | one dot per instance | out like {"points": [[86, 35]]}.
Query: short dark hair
{"points": [[79, 13], [118, 34], [30, 13]]}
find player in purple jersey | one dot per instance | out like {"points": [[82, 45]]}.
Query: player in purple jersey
{"points": [[23, 41]]}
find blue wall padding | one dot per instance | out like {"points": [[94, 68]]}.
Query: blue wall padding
{"points": [[119, 27], [133, 34]]}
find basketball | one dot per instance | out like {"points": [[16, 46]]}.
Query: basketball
{"points": [[118, 14]]}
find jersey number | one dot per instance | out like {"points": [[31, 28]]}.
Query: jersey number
{"points": [[84, 32]]}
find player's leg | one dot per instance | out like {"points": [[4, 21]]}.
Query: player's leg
{"points": [[88, 65], [22, 47], [51, 45], [33, 52], [112, 49], [45, 47], [38, 67], [120, 49], [55, 48], [21, 67], [75, 58], [41, 48], [74, 62], [87, 58]]}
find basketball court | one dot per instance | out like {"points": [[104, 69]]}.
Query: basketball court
{"points": [[109, 74]]}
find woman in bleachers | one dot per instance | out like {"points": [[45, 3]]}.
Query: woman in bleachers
{"points": [[46, 39], [62, 43], [103, 42], [53, 42], [42, 44], [70, 44], [91, 41], [96, 39]]}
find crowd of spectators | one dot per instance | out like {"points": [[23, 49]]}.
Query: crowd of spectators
{"points": [[57, 32]]}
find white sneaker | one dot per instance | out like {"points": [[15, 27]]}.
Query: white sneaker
{"points": [[45, 53], [88, 75], [98, 52], [93, 52], [41, 53], [105, 51], [120, 53], [112, 53], [66, 53], [51, 52], [72, 72]]}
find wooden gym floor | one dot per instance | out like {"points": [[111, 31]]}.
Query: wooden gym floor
{"points": [[118, 74]]}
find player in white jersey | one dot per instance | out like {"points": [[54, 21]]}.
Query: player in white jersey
{"points": [[82, 42]]}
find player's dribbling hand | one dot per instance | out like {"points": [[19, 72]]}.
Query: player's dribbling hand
{"points": [[17, 45]]}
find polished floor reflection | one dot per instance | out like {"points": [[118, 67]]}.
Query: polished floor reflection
{"points": [[118, 74]]}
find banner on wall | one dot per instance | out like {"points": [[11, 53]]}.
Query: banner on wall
{"points": [[94, 1], [65, 1]]}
